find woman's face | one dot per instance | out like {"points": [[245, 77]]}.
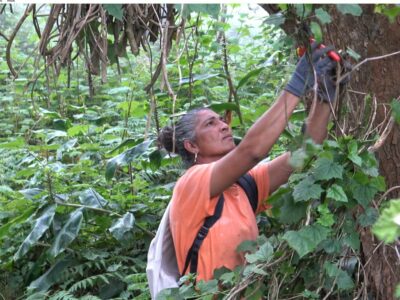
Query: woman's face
{"points": [[213, 136]]}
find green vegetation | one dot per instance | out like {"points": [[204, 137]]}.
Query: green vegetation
{"points": [[84, 185]]}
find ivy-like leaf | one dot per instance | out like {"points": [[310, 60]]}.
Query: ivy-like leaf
{"points": [[326, 169], [363, 193], [369, 217], [291, 212], [41, 225], [264, 254], [387, 228], [352, 9], [352, 240], [323, 16], [208, 287], [209, 9], [123, 225], [343, 280], [336, 193], [67, 233], [306, 190], [353, 155], [306, 239]]}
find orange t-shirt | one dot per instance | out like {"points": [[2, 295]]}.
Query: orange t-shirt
{"points": [[191, 204]]}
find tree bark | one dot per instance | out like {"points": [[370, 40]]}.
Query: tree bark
{"points": [[371, 35]]}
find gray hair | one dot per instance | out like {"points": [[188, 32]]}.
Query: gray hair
{"points": [[184, 130]]}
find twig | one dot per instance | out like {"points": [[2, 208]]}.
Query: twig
{"points": [[4, 36], [383, 136], [344, 76], [11, 39], [388, 192]]}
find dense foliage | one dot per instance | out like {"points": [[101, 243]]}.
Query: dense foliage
{"points": [[84, 183]]}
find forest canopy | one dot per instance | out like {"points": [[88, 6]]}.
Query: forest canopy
{"points": [[84, 91]]}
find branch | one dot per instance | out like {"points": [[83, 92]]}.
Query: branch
{"points": [[341, 78], [14, 33], [4, 36]]}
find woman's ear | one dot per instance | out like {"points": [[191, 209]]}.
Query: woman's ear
{"points": [[190, 146]]}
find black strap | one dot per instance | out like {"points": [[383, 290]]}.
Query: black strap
{"points": [[193, 253], [248, 184]]}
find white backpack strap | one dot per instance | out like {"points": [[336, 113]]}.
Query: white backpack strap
{"points": [[162, 267]]}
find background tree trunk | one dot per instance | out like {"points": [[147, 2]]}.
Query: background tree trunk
{"points": [[372, 35]]}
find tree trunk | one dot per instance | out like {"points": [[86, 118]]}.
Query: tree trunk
{"points": [[371, 35]]}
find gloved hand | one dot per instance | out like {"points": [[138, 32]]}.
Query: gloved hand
{"points": [[326, 72], [303, 80]]}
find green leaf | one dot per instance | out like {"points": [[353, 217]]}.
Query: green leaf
{"points": [[343, 280], [264, 254], [352, 240], [353, 155], [353, 54], [277, 19], [323, 16], [316, 30], [41, 225], [201, 77], [17, 143], [247, 246], [306, 190], [78, 130], [67, 233], [395, 111], [44, 282], [363, 193], [326, 217], [17, 220], [209, 9], [352, 9], [336, 193], [291, 212], [387, 228], [125, 158], [119, 90], [209, 287], [326, 169], [369, 217], [220, 107], [306, 239], [122, 226], [115, 10], [91, 198], [248, 76]]}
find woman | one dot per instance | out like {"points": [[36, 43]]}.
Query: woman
{"points": [[205, 143]]}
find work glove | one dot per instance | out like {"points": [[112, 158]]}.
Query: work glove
{"points": [[326, 79], [303, 80]]}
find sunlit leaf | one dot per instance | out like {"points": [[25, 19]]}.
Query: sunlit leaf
{"points": [[91, 198], [264, 254], [67, 233], [387, 228], [337, 193], [42, 223], [126, 157], [122, 226], [306, 239]]}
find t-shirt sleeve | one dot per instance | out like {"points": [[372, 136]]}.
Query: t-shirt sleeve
{"points": [[192, 194], [261, 176]]}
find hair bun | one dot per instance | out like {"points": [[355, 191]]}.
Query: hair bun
{"points": [[165, 138]]}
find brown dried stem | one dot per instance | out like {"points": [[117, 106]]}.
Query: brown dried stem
{"points": [[11, 39]]}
